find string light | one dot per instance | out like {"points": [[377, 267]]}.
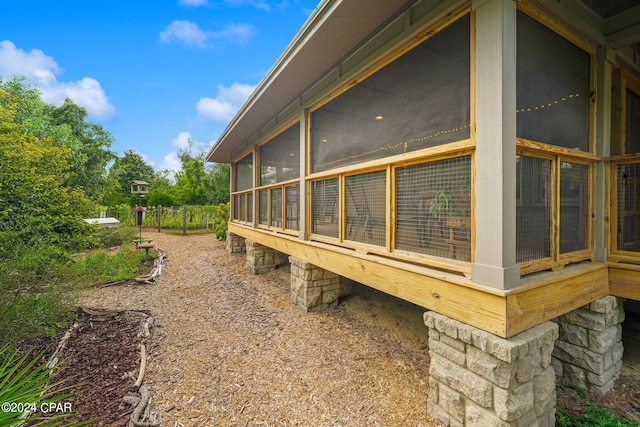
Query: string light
{"points": [[404, 144], [549, 104]]}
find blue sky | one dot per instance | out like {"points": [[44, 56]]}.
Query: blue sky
{"points": [[153, 73]]}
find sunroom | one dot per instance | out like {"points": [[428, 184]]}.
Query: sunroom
{"points": [[477, 158]]}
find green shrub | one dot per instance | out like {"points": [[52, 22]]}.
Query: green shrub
{"points": [[220, 221], [102, 266], [594, 416], [110, 237]]}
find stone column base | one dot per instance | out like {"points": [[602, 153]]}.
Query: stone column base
{"points": [[313, 288], [589, 352], [262, 259], [235, 243], [479, 379]]}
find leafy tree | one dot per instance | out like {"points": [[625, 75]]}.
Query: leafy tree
{"points": [[89, 143], [191, 183], [218, 183], [91, 150], [124, 170]]}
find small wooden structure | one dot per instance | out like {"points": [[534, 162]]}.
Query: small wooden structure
{"points": [[107, 222], [139, 187]]}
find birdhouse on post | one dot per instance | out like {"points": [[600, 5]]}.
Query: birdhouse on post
{"points": [[139, 187], [139, 211]]}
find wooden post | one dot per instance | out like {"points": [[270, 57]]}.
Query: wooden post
{"points": [[159, 216], [184, 220]]}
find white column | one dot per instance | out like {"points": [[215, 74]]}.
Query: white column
{"points": [[495, 208]]}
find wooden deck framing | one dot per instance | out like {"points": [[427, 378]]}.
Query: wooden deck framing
{"points": [[542, 296]]}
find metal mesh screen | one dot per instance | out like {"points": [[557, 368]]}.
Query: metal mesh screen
{"points": [[553, 86], [276, 207], [280, 157], [325, 207], [292, 208], [632, 123], [628, 203], [242, 206], [574, 207], [533, 211], [366, 207], [420, 100], [433, 208], [236, 211], [244, 173], [249, 207], [263, 207]]}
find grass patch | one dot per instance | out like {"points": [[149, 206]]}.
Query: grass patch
{"points": [[103, 266]]}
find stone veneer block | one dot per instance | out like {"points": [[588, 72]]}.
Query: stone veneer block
{"points": [[235, 243], [479, 379], [313, 288], [262, 259], [588, 353]]}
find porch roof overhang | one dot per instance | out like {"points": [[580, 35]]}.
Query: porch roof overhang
{"points": [[336, 27], [333, 29]]}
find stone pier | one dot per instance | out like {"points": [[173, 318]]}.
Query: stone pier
{"points": [[235, 243], [261, 259], [589, 351], [479, 379], [313, 288]]}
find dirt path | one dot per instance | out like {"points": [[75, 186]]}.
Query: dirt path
{"points": [[230, 348]]}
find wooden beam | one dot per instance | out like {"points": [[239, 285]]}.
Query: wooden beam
{"points": [[544, 296], [624, 280]]}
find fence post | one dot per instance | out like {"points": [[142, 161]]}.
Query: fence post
{"points": [[184, 220], [159, 216]]}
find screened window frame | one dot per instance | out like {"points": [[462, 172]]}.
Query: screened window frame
{"points": [[248, 213], [581, 42], [615, 254], [390, 165], [558, 155], [282, 186], [623, 81]]}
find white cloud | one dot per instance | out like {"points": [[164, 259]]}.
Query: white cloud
{"points": [[182, 141], [190, 34], [171, 162], [147, 160], [227, 101], [184, 32], [41, 70], [235, 33]]}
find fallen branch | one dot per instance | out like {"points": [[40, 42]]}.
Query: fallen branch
{"points": [[135, 420], [53, 360], [147, 279], [143, 365]]}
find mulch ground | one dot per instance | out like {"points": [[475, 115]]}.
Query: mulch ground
{"points": [[102, 357]]}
